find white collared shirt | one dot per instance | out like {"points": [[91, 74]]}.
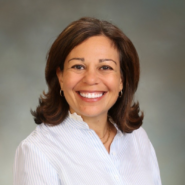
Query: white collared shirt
{"points": [[72, 154]]}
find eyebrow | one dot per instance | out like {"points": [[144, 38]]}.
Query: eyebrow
{"points": [[100, 60], [106, 59], [81, 59]]}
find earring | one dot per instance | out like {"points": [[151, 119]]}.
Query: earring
{"points": [[120, 94], [61, 93]]}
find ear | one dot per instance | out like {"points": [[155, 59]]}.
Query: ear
{"points": [[59, 76]]}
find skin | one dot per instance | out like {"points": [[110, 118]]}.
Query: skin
{"points": [[92, 67]]}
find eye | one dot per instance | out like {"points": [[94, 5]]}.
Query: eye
{"points": [[79, 67], [106, 68]]}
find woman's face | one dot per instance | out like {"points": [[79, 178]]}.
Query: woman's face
{"points": [[91, 78]]}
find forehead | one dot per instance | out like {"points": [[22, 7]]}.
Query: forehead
{"points": [[97, 46]]}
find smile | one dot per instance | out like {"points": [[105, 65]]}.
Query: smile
{"points": [[91, 95]]}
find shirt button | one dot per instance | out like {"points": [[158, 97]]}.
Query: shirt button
{"points": [[113, 153], [116, 177]]}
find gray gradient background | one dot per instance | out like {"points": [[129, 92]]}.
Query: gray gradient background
{"points": [[157, 28]]}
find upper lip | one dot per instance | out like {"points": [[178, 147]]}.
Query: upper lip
{"points": [[95, 92], [92, 91]]}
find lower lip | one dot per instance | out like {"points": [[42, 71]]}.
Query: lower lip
{"points": [[91, 99]]}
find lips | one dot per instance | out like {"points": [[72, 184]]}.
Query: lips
{"points": [[91, 95]]}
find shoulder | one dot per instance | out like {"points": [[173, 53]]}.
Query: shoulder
{"points": [[43, 133], [142, 140], [27, 146], [31, 144], [33, 136], [147, 150], [42, 141], [141, 135], [31, 164]]}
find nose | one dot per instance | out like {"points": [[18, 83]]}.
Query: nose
{"points": [[91, 77]]}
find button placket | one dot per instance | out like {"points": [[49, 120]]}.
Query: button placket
{"points": [[117, 178], [113, 153]]}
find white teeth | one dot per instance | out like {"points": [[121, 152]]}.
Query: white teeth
{"points": [[91, 95]]}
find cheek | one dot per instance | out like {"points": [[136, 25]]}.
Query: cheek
{"points": [[113, 83], [70, 81]]}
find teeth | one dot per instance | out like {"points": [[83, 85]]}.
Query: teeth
{"points": [[91, 95]]}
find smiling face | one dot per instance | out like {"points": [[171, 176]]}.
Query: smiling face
{"points": [[91, 79]]}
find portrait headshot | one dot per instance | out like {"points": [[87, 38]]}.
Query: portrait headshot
{"points": [[92, 93]]}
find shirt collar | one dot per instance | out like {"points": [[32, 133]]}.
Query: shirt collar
{"points": [[79, 123], [75, 116]]}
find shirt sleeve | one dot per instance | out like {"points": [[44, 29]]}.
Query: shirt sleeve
{"points": [[149, 151], [155, 166], [32, 167]]}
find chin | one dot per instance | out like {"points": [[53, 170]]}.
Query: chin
{"points": [[92, 114]]}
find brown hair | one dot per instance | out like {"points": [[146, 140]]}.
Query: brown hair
{"points": [[53, 108]]}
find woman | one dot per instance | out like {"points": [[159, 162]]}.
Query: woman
{"points": [[89, 130]]}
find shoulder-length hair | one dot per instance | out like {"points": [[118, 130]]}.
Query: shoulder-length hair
{"points": [[53, 108]]}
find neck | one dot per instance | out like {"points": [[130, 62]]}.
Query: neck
{"points": [[98, 124]]}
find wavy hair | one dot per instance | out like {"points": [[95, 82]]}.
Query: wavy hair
{"points": [[53, 108]]}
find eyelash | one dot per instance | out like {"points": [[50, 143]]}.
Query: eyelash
{"points": [[79, 67], [107, 67]]}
